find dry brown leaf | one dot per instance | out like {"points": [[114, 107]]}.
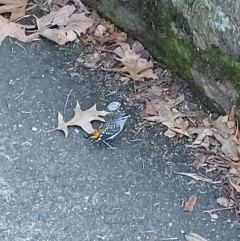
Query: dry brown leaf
{"points": [[114, 37], [223, 202], [170, 133], [136, 67], [155, 90], [17, 8], [81, 118], [165, 110], [230, 146], [63, 26], [202, 132], [222, 125], [150, 109], [15, 30], [190, 203], [194, 237], [179, 126]]}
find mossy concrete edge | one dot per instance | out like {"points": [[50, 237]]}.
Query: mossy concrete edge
{"points": [[179, 54]]}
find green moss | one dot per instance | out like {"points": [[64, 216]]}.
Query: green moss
{"points": [[220, 66], [179, 55]]}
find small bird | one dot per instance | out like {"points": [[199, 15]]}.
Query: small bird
{"points": [[110, 130]]}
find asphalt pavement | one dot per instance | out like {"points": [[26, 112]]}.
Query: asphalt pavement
{"points": [[57, 188]]}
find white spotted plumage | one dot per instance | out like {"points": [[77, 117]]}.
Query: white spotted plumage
{"points": [[113, 127]]}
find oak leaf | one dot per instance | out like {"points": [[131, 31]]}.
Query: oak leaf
{"points": [[82, 119], [165, 110], [15, 30], [64, 25], [17, 8], [135, 67]]}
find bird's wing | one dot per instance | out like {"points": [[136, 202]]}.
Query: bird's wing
{"points": [[111, 130]]}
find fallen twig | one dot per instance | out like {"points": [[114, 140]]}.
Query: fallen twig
{"points": [[67, 100], [197, 177]]}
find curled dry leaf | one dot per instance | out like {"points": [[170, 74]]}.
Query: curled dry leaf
{"points": [[150, 108], [165, 111], [81, 118], [190, 203], [64, 25], [17, 8], [194, 237], [15, 30], [230, 146]]}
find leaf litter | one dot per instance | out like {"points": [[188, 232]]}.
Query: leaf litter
{"points": [[216, 141]]}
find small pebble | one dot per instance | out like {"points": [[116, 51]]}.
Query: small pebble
{"points": [[11, 82], [34, 129], [113, 106]]}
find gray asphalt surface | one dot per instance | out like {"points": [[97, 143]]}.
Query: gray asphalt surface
{"points": [[56, 188]]}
